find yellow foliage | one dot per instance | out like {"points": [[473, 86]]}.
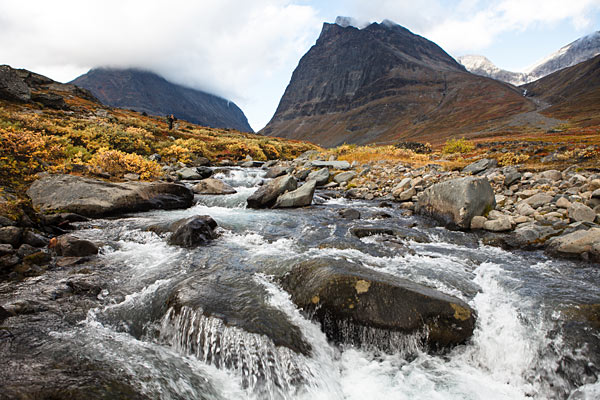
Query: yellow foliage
{"points": [[458, 146], [511, 159], [365, 154], [118, 163]]}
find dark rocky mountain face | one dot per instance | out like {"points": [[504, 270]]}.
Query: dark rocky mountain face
{"points": [[147, 92], [381, 84]]}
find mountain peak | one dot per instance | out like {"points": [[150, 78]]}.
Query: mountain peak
{"points": [[145, 91]]}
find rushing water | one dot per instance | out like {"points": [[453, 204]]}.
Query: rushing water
{"points": [[524, 345]]}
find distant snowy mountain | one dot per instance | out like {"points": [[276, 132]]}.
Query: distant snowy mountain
{"points": [[580, 50], [480, 65]]}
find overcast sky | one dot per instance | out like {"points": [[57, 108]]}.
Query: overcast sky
{"points": [[246, 51]]}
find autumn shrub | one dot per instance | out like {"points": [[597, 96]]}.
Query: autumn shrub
{"points": [[118, 163], [511, 158], [365, 154], [462, 145]]}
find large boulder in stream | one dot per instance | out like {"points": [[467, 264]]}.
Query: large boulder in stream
{"points": [[353, 303], [267, 195], [213, 186], [96, 198], [300, 197], [455, 202], [194, 231], [213, 301]]}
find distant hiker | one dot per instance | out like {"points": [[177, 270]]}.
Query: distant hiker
{"points": [[170, 119]]}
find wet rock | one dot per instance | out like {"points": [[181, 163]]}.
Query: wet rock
{"points": [[331, 164], [25, 250], [276, 172], [531, 236], [578, 243], [349, 213], [194, 231], [8, 261], [269, 164], [237, 300], [348, 299], [267, 195], [70, 261], [300, 197], [84, 286], [34, 239], [4, 314], [581, 213], [37, 258], [321, 176], [213, 186], [538, 200], [364, 231], [11, 235], [344, 177], [480, 166], [455, 202], [72, 246], [96, 198], [380, 215]]}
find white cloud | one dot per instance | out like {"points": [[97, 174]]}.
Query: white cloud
{"points": [[227, 47], [472, 25]]}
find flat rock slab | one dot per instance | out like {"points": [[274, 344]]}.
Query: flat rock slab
{"points": [[96, 198], [330, 164], [345, 298], [213, 186]]}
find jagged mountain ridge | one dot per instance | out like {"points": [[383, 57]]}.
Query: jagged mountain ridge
{"points": [[148, 92], [383, 83], [578, 51]]}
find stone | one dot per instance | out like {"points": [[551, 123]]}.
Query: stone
{"points": [[8, 261], [300, 197], [266, 195], [194, 231], [347, 299], [275, 172], [213, 186], [72, 246], [6, 221], [344, 177], [96, 198], [321, 176], [551, 174], [6, 249], [12, 87], [11, 235], [194, 173], [576, 243], [200, 162], [455, 202], [24, 250], [331, 164], [531, 235], [563, 202], [406, 195], [501, 224], [480, 166], [581, 213], [511, 175], [596, 194], [131, 177], [34, 239], [349, 213], [538, 200], [525, 209], [404, 183], [478, 221]]}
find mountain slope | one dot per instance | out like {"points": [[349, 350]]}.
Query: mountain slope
{"points": [[574, 92], [381, 84], [578, 51], [150, 93]]}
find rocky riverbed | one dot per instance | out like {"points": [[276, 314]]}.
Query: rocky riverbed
{"points": [[289, 279]]}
